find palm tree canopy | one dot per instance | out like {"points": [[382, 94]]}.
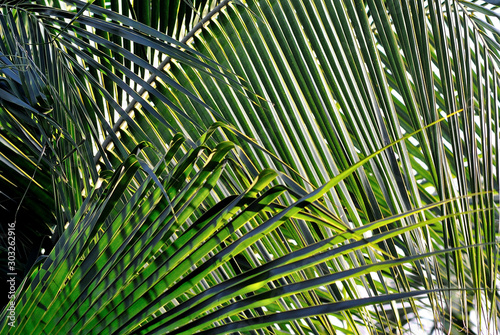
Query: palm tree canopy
{"points": [[257, 166]]}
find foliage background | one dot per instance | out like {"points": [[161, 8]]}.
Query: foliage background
{"points": [[315, 91]]}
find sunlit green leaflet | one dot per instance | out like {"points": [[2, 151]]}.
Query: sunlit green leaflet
{"points": [[393, 64], [110, 198], [98, 214]]}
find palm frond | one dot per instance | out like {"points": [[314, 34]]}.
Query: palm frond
{"points": [[345, 177]]}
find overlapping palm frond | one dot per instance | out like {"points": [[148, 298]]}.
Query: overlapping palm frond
{"points": [[349, 184], [339, 80], [196, 234], [62, 89]]}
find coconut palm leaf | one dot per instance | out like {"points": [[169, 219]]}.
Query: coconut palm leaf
{"points": [[345, 176], [62, 88], [145, 257], [339, 80]]}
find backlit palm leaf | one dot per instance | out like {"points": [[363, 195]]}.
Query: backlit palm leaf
{"points": [[351, 234]]}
